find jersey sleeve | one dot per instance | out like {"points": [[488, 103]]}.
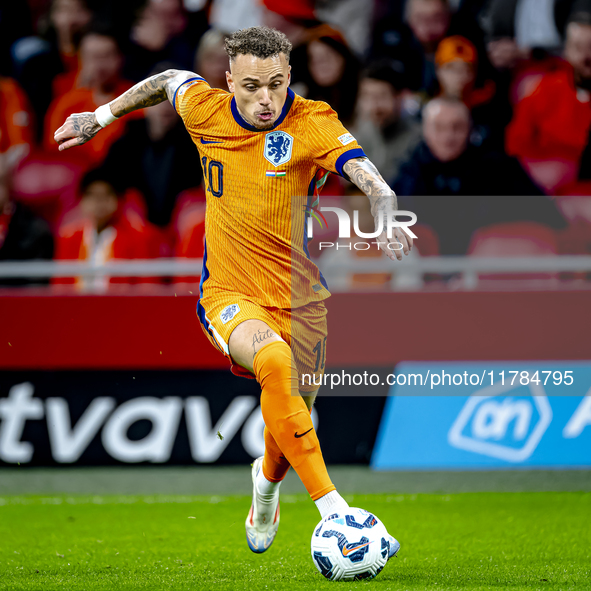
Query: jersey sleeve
{"points": [[330, 143], [191, 101]]}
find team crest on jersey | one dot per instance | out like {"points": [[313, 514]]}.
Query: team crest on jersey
{"points": [[229, 312], [278, 145]]}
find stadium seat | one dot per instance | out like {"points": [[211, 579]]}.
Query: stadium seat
{"points": [[574, 202], [427, 242], [47, 186], [553, 174], [515, 239], [329, 233], [187, 229], [427, 245]]}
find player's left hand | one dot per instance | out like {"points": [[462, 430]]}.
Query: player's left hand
{"points": [[395, 246], [78, 129]]}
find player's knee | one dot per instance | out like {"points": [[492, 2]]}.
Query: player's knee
{"points": [[309, 398]]}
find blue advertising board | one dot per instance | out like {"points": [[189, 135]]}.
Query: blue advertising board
{"points": [[495, 415]]}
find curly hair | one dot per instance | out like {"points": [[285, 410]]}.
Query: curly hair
{"points": [[262, 42]]}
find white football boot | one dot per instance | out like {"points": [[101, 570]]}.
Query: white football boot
{"points": [[262, 522]]}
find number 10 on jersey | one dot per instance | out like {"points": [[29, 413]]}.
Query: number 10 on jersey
{"points": [[214, 176]]}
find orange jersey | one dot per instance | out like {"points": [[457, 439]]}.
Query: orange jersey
{"points": [[260, 185]]}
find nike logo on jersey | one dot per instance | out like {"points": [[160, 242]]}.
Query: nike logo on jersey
{"points": [[297, 436], [210, 142]]}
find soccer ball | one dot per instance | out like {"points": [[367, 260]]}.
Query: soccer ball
{"points": [[350, 545]]}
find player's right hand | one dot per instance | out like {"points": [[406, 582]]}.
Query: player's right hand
{"points": [[78, 129]]}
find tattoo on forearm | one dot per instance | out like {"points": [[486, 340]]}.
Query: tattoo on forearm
{"points": [[260, 337], [366, 176]]}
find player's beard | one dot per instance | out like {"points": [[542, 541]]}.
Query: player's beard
{"points": [[256, 122], [264, 124], [267, 124], [261, 124]]}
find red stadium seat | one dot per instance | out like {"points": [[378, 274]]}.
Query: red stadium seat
{"points": [[575, 206], [551, 175], [326, 233], [47, 185], [515, 239], [427, 242], [187, 227], [427, 245]]}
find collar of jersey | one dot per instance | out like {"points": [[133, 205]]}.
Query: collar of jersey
{"points": [[286, 107]]}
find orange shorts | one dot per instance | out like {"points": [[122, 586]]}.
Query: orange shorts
{"points": [[304, 329]]}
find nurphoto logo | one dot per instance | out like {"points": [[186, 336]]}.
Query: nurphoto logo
{"points": [[391, 222]]}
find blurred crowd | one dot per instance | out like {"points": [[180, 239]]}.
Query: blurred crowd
{"points": [[477, 112]]}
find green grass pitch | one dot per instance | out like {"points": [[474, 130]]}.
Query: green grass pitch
{"points": [[495, 541]]}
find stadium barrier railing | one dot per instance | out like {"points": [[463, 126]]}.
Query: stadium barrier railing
{"points": [[176, 267]]}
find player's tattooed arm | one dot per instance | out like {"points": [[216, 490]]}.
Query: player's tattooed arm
{"points": [[149, 92], [79, 128], [383, 203]]}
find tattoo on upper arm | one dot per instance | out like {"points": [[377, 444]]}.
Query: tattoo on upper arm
{"points": [[175, 81], [366, 176], [149, 92]]}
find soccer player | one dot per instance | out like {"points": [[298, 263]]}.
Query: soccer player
{"points": [[263, 150]]}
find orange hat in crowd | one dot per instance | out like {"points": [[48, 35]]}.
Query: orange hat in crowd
{"points": [[455, 48], [325, 31]]}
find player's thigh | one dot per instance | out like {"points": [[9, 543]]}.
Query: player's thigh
{"points": [[248, 338], [232, 322]]}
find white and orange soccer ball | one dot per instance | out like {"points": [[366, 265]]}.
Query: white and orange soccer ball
{"points": [[350, 545]]}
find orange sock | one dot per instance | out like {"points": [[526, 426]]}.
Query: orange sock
{"points": [[288, 420], [275, 464]]}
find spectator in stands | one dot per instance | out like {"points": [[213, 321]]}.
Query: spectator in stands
{"points": [[446, 165], [40, 59], [429, 20], [157, 157], [456, 62], [103, 232], [157, 36], [515, 27], [16, 125], [22, 235], [552, 124], [412, 42], [380, 102], [296, 17], [101, 61], [333, 71], [211, 59]]}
